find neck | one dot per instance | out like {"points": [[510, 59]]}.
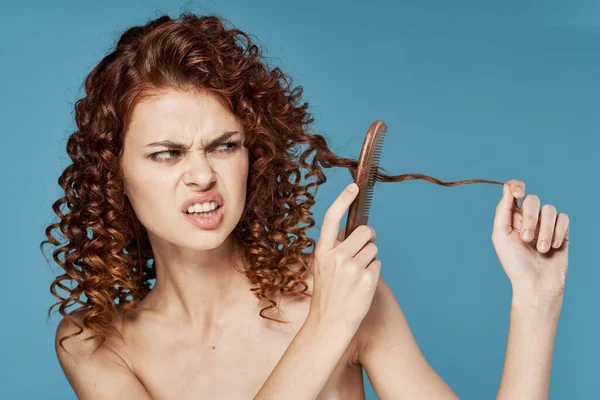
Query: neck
{"points": [[199, 287]]}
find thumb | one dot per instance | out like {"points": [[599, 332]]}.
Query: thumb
{"points": [[504, 211]]}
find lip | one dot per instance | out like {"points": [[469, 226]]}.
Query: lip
{"points": [[202, 198], [210, 222]]}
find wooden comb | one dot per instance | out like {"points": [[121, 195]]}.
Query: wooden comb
{"points": [[366, 176]]}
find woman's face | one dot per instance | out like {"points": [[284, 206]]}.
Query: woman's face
{"points": [[159, 179]]}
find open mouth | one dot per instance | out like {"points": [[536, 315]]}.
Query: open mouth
{"points": [[206, 220], [205, 213]]}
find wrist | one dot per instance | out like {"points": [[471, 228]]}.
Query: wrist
{"points": [[537, 303], [336, 327]]}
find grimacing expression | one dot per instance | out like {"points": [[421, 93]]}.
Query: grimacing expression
{"points": [[160, 177]]}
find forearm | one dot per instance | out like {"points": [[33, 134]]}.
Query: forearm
{"points": [[532, 331], [307, 363]]}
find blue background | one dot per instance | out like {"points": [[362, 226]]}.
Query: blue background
{"points": [[469, 90]]}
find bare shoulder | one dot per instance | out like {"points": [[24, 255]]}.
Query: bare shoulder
{"points": [[94, 369], [67, 327]]}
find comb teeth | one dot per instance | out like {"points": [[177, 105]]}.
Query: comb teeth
{"points": [[373, 173], [367, 172]]}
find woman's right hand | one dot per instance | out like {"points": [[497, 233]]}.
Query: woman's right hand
{"points": [[345, 270]]}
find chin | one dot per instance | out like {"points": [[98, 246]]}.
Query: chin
{"points": [[205, 239]]}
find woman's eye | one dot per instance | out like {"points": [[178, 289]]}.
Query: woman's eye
{"points": [[229, 146], [222, 148], [157, 157]]}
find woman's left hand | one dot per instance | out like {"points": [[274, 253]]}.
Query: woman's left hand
{"points": [[537, 264]]}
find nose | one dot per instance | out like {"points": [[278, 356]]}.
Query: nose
{"points": [[198, 169]]}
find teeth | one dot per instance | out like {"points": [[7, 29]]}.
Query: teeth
{"points": [[204, 207]]}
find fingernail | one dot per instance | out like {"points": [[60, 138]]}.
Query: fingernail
{"points": [[527, 234], [555, 243], [353, 187], [518, 192], [544, 245]]}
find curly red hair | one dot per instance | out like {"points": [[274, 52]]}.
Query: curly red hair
{"points": [[107, 249]]}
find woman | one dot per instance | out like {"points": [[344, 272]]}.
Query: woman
{"points": [[185, 147]]}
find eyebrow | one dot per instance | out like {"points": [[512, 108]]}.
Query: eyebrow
{"points": [[172, 145]]}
